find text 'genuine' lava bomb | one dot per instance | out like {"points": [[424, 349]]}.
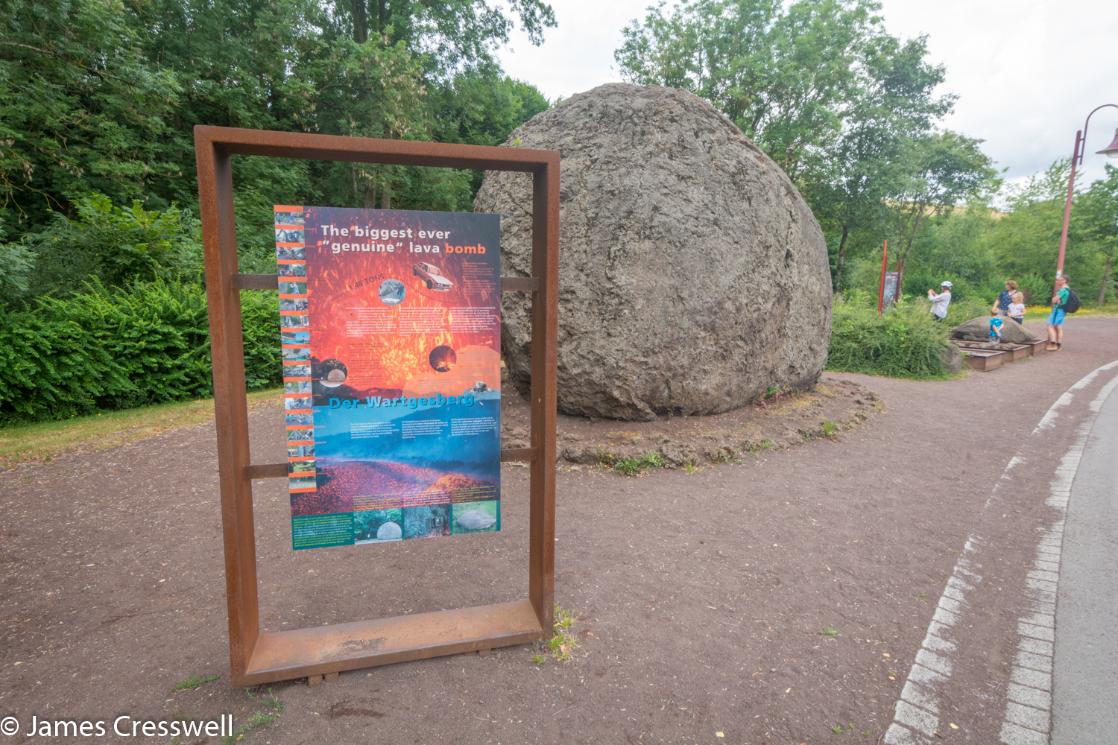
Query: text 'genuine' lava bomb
{"points": [[693, 276]]}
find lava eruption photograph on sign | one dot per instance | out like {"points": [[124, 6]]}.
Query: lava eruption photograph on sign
{"points": [[400, 319]]}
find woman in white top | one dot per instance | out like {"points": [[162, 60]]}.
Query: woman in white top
{"points": [[940, 301]]}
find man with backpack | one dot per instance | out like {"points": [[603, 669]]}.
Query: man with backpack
{"points": [[1064, 301]]}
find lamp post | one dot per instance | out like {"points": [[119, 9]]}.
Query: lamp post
{"points": [[1111, 151]]}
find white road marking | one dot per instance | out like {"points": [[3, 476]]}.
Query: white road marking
{"points": [[916, 716]]}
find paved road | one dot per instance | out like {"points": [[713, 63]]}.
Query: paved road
{"points": [[986, 670], [1085, 695]]}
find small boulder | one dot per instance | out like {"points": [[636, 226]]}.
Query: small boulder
{"points": [[978, 329], [952, 358]]}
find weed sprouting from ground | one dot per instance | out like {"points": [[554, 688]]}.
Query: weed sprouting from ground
{"points": [[194, 682], [562, 643], [268, 713], [256, 721], [637, 466], [269, 701]]}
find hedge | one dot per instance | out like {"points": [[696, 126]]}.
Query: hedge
{"points": [[119, 348], [904, 342]]}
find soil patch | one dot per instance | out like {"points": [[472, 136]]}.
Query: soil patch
{"points": [[778, 421]]}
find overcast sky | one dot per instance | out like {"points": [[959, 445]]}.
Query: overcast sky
{"points": [[1026, 72]]}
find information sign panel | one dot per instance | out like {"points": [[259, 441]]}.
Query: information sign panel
{"points": [[390, 329]]}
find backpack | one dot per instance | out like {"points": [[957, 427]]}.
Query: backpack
{"points": [[1072, 303]]}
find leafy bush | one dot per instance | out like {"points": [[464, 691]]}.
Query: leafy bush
{"points": [[963, 309], [1036, 289], [116, 348], [106, 243], [903, 342]]}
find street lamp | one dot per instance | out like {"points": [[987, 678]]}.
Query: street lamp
{"points": [[1111, 151]]}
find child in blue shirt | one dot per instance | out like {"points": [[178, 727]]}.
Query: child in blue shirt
{"points": [[996, 323]]}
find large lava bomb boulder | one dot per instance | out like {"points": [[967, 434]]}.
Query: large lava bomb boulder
{"points": [[693, 276]]}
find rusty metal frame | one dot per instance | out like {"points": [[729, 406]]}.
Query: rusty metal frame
{"points": [[258, 656]]}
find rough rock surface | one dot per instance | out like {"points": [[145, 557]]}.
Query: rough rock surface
{"points": [[693, 276], [952, 358], [978, 329]]}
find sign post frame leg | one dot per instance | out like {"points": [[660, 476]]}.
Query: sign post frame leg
{"points": [[230, 404], [543, 394]]}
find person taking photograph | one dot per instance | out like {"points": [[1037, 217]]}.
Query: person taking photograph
{"points": [[940, 301]]}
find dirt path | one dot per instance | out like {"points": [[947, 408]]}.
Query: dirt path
{"points": [[781, 600]]}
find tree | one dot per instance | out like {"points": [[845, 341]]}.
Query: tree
{"points": [[81, 109], [402, 49], [1025, 241], [1096, 215], [482, 107], [783, 75], [452, 35], [351, 67], [895, 105], [106, 245], [819, 85], [954, 246], [944, 170], [101, 96]]}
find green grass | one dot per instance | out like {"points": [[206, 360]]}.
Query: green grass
{"points": [[268, 701], [753, 448], [43, 441], [256, 721], [830, 633], [268, 713], [562, 643], [637, 466], [194, 682]]}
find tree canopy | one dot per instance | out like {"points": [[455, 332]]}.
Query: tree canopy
{"points": [[848, 110], [100, 97]]}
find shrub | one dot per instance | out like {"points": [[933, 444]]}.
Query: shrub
{"points": [[1036, 289], [904, 342], [116, 348], [964, 309], [107, 243]]}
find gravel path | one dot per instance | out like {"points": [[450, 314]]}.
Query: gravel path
{"points": [[781, 600]]}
